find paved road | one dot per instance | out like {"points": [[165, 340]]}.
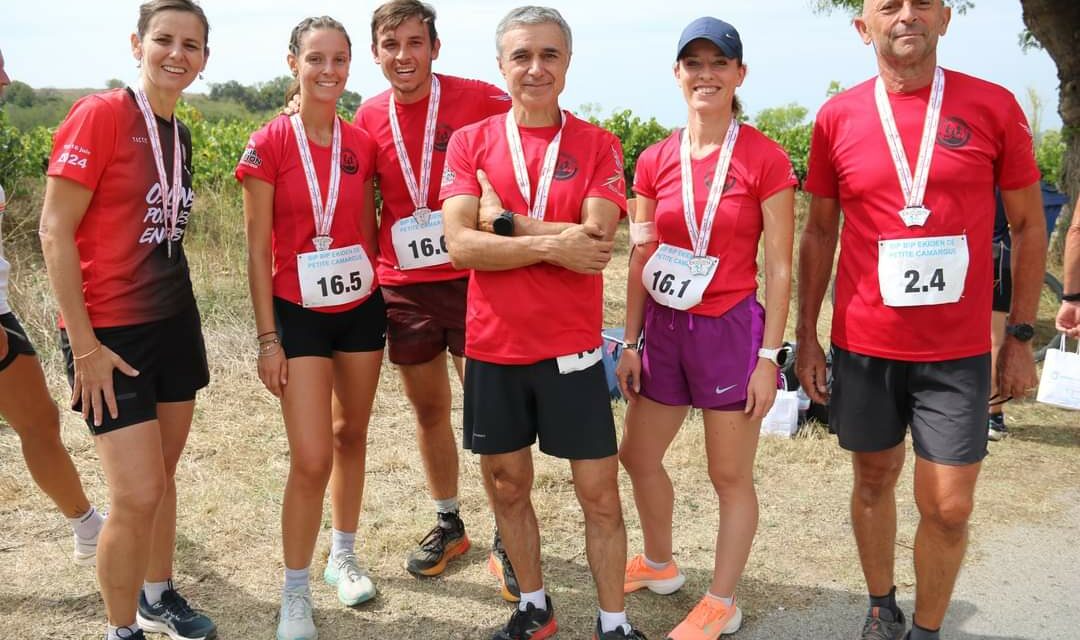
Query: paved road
{"points": [[1024, 586]]}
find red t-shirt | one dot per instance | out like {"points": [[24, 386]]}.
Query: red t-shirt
{"points": [[983, 140], [462, 102], [533, 313], [759, 169], [272, 156], [128, 276]]}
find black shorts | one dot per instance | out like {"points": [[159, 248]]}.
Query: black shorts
{"points": [[306, 332], [1002, 280], [508, 406], [169, 355], [875, 399], [17, 340]]}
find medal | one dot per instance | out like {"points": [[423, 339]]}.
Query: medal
{"points": [[324, 216], [521, 168], [699, 266], [170, 198], [699, 238], [422, 216], [418, 192], [913, 187]]}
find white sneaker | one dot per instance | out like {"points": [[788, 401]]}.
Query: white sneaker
{"points": [[295, 621], [353, 585]]}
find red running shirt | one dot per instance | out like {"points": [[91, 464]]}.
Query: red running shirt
{"points": [[272, 156], [760, 168], [533, 313], [462, 102], [983, 140], [128, 276]]}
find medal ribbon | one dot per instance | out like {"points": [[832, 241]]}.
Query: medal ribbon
{"points": [[913, 187], [324, 217], [418, 192], [521, 169], [170, 198], [700, 238]]}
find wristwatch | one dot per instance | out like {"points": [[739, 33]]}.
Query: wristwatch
{"points": [[1022, 331], [503, 224], [1071, 297], [778, 356]]}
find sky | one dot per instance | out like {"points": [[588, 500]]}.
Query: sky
{"points": [[622, 59]]}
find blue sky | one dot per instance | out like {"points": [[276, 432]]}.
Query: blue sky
{"points": [[622, 49]]}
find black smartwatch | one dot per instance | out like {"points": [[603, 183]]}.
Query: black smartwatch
{"points": [[503, 224], [1071, 297], [1023, 332]]}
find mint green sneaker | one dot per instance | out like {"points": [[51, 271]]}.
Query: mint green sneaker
{"points": [[353, 584]]}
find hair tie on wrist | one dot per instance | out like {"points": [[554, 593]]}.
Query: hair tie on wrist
{"points": [[88, 353]]}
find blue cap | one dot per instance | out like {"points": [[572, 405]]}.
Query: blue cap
{"points": [[718, 32]]}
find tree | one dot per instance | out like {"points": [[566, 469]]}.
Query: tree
{"points": [[19, 94], [114, 83], [788, 127], [1053, 25]]}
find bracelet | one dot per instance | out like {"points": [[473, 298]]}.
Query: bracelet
{"points": [[88, 353], [1071, 297], [266, 353], [268, 333], [267, 347], [635, 345]]}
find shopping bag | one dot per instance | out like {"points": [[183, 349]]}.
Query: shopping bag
{"points": [[1060, 383], [783, 418]]}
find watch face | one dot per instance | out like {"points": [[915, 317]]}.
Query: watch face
{"points": [[1022, 332], [782, 357]]}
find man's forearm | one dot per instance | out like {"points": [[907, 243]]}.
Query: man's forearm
{"points": [[1028, 266]]}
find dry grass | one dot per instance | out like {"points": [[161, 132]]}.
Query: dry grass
{"points": [[232, 476]]}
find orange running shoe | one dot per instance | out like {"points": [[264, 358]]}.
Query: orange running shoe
{"points": [[709, 620], [640, 575]]}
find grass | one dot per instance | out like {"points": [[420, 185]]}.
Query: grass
{"points": [[232, 476]]}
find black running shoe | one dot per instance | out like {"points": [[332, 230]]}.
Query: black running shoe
{"points": [[173, 616], [997, 429], [622, 632], [500, 567], [530, 624], [441, 545], [882, 624]]}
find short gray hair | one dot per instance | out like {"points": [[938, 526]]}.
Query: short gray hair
{"points": [[529, 15]]}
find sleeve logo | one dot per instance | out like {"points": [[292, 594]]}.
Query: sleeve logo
{"points": [[448, 177], [251, 158]]}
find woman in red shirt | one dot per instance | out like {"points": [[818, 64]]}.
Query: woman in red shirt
{"points": [[310, 219]]}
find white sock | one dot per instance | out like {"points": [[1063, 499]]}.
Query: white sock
{"points": [[298, 578], [114, 632], [447, 505], [88, 525], [610, 621], [342, 542], [655, 566], [538, 599], [154, 590], [730, 600]]}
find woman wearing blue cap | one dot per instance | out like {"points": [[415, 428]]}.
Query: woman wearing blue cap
{"points": [[706, 194]]}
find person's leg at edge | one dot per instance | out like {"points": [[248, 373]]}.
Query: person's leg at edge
{"points": [[997, 338], [731, 440], [27, 406], [873, 514], [597, 488], [508, 479], [131, 458], [174, 419], [945, 496], [427, 386], [650, 427], [356, 376]]}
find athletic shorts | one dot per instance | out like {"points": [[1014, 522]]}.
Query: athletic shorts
{"points": [[1002, 281], [424, 320], [874, 400], [169, 355], [701, 361], [17, 341], [508, 407], [305, 332]]}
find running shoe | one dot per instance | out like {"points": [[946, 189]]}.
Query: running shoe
{"points": [[622, 632], [125, 633], [441, 545], [173, 616], [353, 584], [295, 622], [639, 575], [500, 567], [997, 430], [530, 624], [709, 620], [883, 624]]}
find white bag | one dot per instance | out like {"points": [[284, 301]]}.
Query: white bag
{"points": [[1060, 383], [783, 417]]}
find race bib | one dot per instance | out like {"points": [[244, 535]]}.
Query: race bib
{"points": [[915, 272], [673, 281], [418, 245], [334, 276], [578, 361]]}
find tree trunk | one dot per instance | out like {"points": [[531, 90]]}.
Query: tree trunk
{"points": [[1056, 25]]}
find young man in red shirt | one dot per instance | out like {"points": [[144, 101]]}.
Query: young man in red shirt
{"points": [[912, 158], [411, 123], [532, 200]]}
